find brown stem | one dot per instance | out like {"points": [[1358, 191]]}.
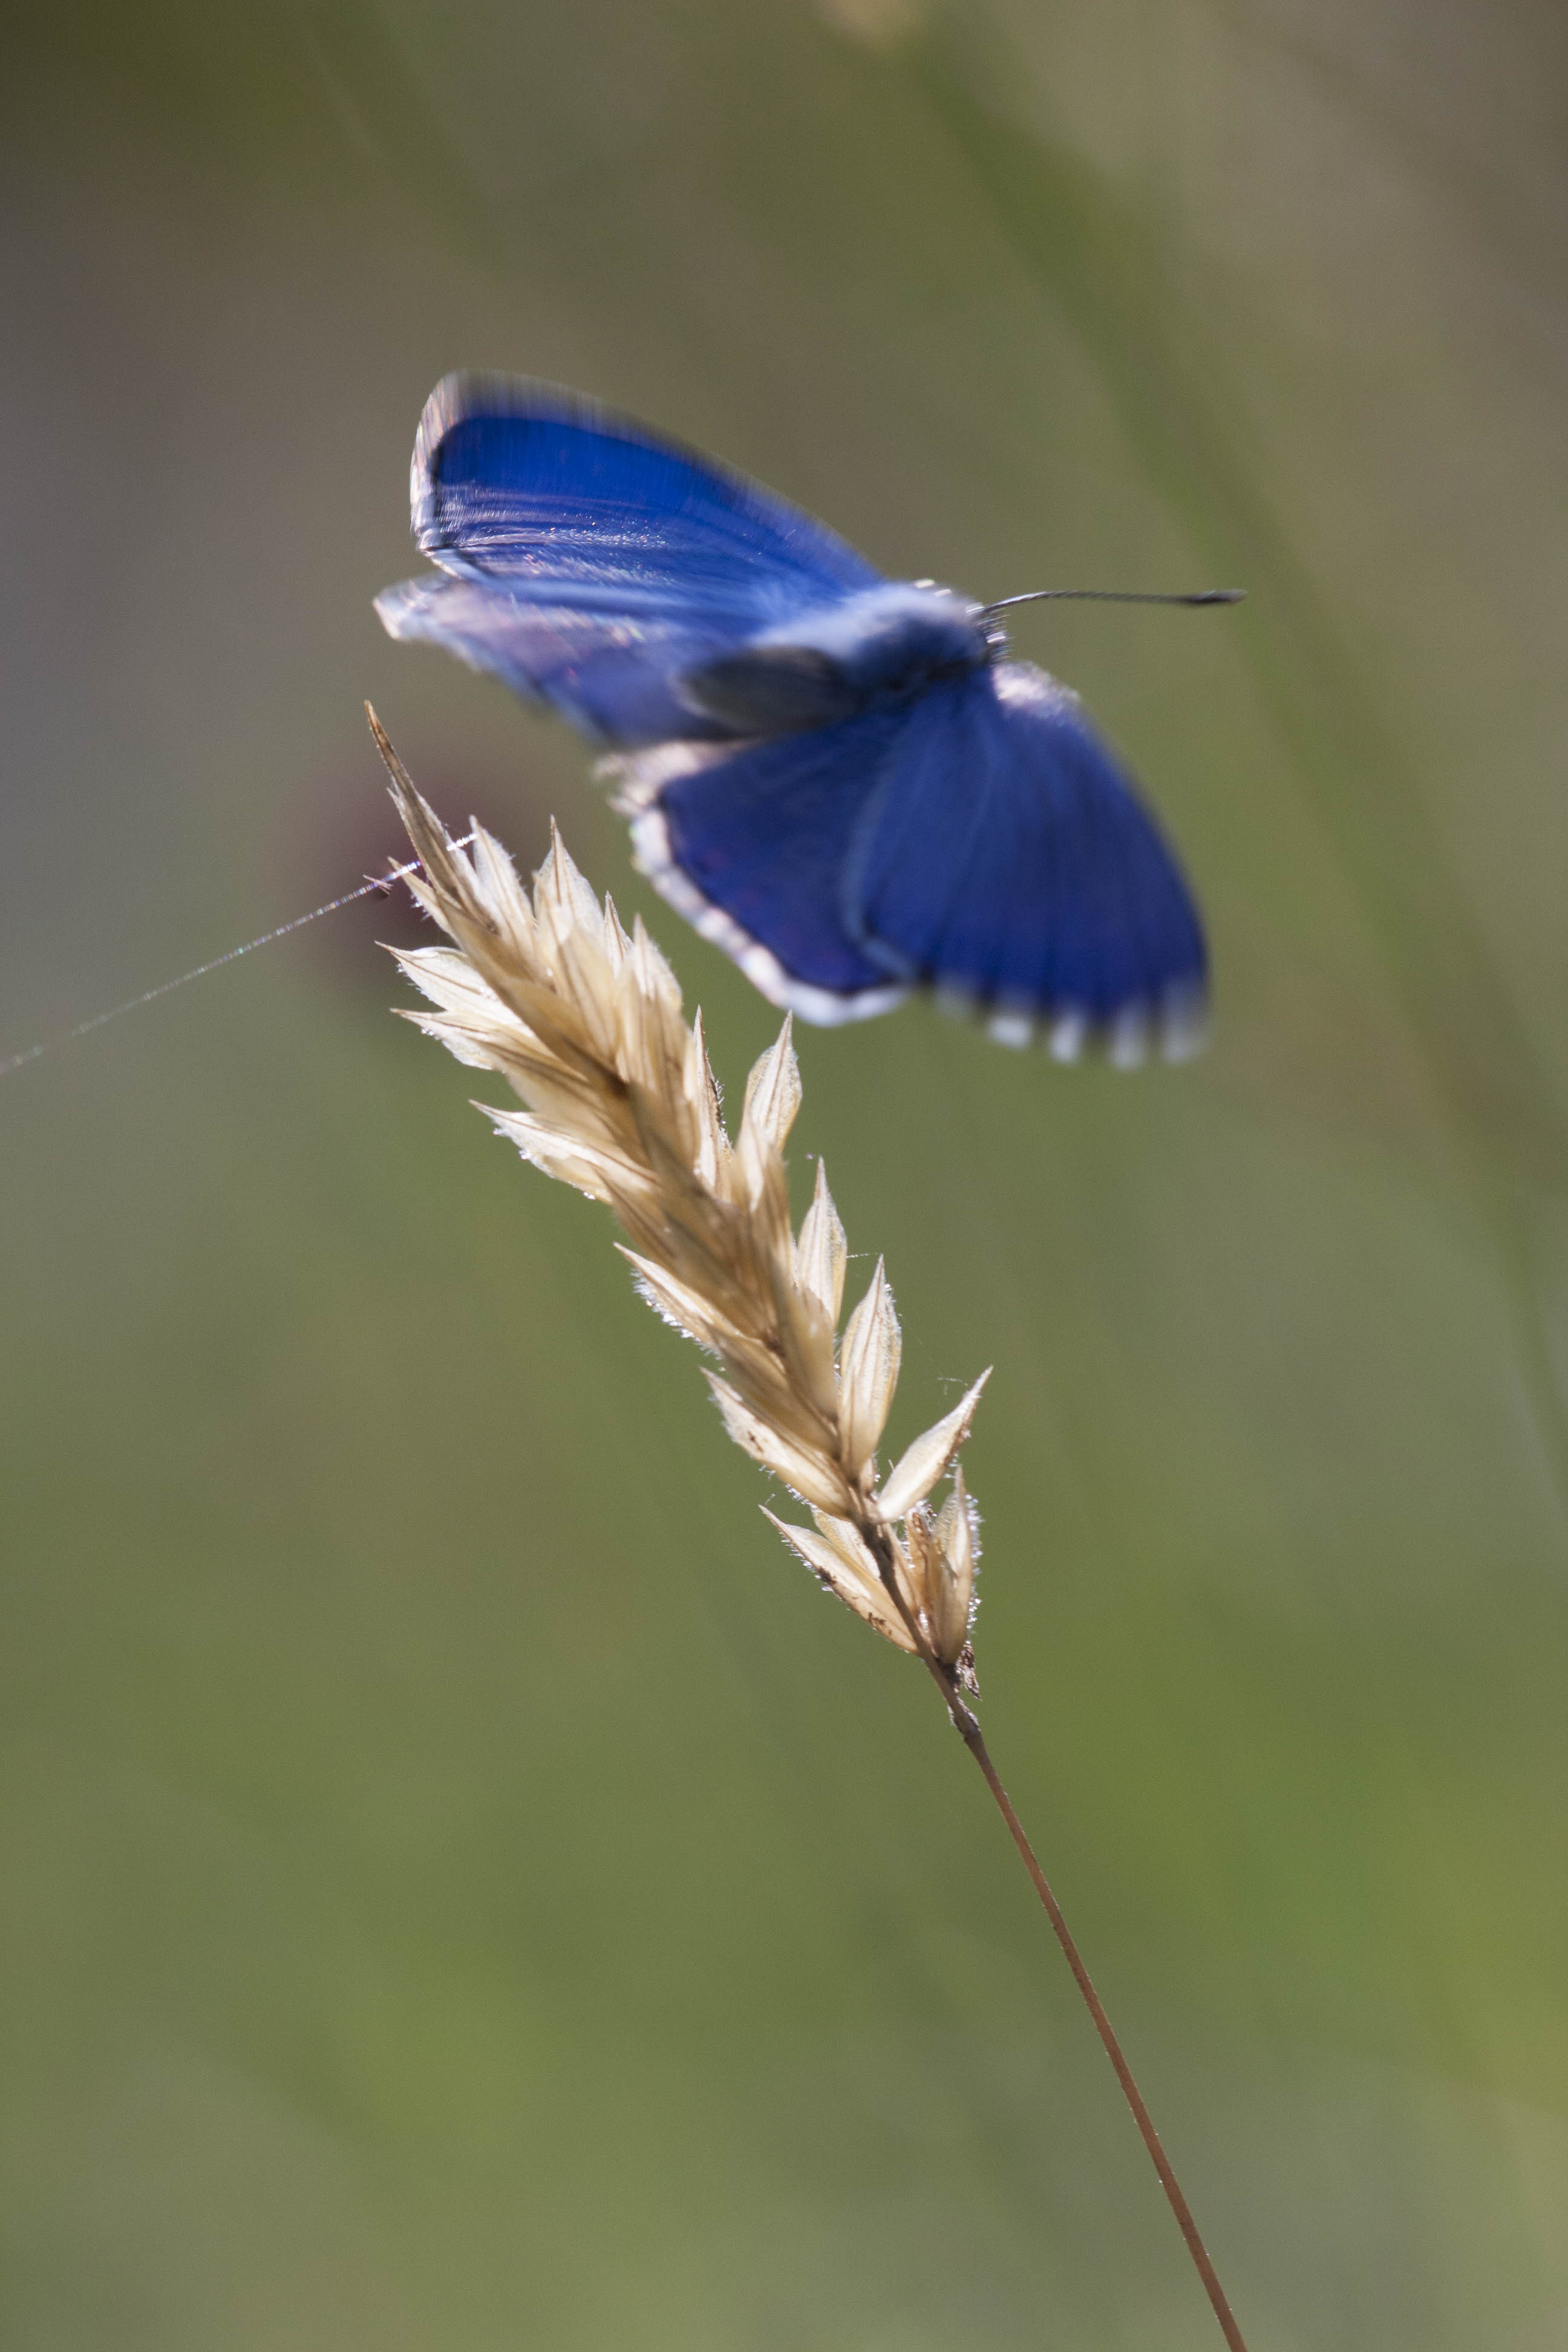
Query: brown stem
{"points": [[969, 1731], [879, 1543]]}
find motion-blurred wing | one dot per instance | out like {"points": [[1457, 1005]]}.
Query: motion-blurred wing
{"points": [[536, 485], [589, 560], [752, 846], [613, 675], [1007, 861], [979, 840]]}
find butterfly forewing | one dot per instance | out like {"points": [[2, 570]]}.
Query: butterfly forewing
{"points": [[592, 563], [555, 497]]}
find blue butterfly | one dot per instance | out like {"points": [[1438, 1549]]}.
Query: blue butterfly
{"points": [[836, 777]]}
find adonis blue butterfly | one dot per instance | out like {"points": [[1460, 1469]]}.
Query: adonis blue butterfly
{"points": [[838, 778]]}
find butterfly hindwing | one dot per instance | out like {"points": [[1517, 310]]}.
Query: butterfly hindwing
{"points": [[751, 845], [1007, 861], [979, 839]]}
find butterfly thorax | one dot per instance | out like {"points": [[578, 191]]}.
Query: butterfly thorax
{"points": [[889, 644]]}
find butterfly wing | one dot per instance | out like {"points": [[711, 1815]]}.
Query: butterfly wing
{"points": [[752, 845], [980, 840], [1006, 860], [613, 675], [590, 561]]}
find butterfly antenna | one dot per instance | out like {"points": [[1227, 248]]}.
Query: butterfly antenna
{"points": [[1115, 597]]}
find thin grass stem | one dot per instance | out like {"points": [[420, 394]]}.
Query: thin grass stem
{"points": [[969, 1731]]}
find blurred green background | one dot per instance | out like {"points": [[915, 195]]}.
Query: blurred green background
{"points": [[462, 1886]]}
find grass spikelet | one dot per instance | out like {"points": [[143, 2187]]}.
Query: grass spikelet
{"points": [[584, 1023], [585, 1026]]}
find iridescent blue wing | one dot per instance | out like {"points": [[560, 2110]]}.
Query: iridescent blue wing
{"points": [[589, 562], [614, 677], [546, 490], [752, 846], [979, 840], [1007, 861]]}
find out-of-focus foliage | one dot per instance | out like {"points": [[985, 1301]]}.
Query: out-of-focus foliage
{"points": [[463, 1888]]}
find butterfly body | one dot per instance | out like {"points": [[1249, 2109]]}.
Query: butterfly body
{"points": [[884, 645], [837, 777]]}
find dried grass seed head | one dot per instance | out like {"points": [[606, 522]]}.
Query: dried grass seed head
{"points": [[585, 1022]]}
